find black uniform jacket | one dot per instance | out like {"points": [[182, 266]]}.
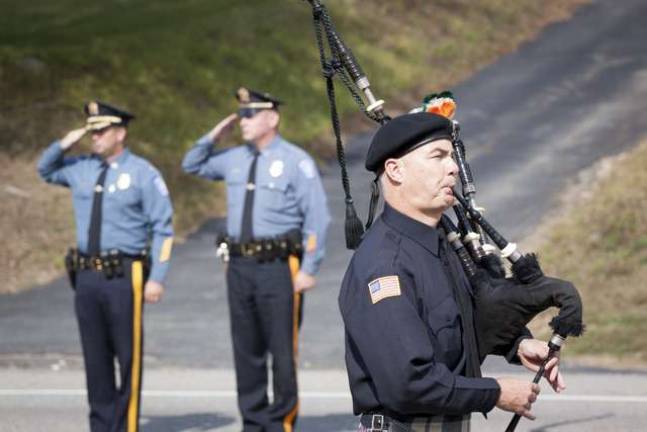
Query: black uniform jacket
{"points": [[404, 350]]}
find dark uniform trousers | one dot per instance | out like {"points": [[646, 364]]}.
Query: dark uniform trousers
{"points": [[265, 317], [109, 313]]}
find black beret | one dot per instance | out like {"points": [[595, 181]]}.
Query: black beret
{"points": [[402, 134]]}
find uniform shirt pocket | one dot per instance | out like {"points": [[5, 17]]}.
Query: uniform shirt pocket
{"points": [[120, 197], [83, 190], [274, 192], [236, 183], [445, 323]]}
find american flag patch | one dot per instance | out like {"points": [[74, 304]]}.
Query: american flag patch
{"points": [[384, 287]]}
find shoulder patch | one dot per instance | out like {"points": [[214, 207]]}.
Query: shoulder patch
{"points": [[308, 168], [384, 287], [161, 186]]}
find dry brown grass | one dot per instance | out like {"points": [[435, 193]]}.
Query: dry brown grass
{"points": [[432, 44], [600, 243], [36, 225]]}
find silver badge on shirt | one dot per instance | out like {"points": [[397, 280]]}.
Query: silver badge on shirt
{"points": [[276, 168], [124, 181]]}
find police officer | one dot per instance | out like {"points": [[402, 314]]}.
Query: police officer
{"points": [[119, 198], [276, 214], [410, 349]]}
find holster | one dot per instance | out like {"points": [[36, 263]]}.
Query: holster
{"points": [[70, 266]]}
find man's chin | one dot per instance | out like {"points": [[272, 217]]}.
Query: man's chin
{"points": [[98, 152]]}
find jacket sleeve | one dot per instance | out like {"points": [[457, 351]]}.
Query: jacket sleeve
{"points": [[316, 217], [202, 160], [511, 354], [157, 206], [396, 349]]}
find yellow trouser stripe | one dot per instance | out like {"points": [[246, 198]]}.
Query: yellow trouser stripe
{"points": [[135, 372], [294, 264]]}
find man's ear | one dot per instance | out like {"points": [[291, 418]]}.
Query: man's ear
{"points": [[273, 118], [121, 132], [394, 170]]}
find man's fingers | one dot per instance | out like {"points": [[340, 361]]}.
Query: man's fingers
{"points": [[300, 288], [223, 127], [559, 383], [553, 373], [535, 388], [231, 119], [72, 137], [527, 414], [152, 298]]}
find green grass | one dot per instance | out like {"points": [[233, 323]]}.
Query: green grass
{"points": [[176, 65], [601, 245]]}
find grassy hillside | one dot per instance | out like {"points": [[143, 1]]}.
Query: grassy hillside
{"points": [[176, 65], [601, 245]]}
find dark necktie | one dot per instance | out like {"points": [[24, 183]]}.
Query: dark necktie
{"points": [[94, 232], [246, 230], [462, 297]]}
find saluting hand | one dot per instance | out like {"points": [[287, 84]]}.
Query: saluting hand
{"points": [[303, 282], [223, 128], [72, 138], [532, 353], [153, 291]]}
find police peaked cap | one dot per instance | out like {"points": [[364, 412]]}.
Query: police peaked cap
{"points": [[404, 134], [101, 115], [251, 102], [248, 98]]}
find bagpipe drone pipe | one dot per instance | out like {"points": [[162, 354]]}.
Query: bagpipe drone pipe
{"points": [[503, 305]]}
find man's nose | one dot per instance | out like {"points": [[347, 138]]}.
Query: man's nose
{"points": [[453, 168]]}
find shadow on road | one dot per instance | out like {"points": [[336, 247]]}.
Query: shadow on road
{"points": [[556, 425], [326, 423], [188, 422], [207, 422]]}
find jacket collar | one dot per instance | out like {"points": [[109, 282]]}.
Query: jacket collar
{"points": [[425, 235], [273, 146]]}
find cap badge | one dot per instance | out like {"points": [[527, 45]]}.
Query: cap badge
{"points": [[243, 95], [93, 108]]}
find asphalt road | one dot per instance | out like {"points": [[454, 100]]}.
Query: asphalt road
{"points": [[531, 122], [203, 400]]}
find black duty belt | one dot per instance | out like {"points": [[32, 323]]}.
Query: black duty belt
{"points": [[376, 422], [263, 249], [110, 263]]}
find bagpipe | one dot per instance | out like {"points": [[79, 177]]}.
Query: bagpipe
{"points": [[505, 299]]}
